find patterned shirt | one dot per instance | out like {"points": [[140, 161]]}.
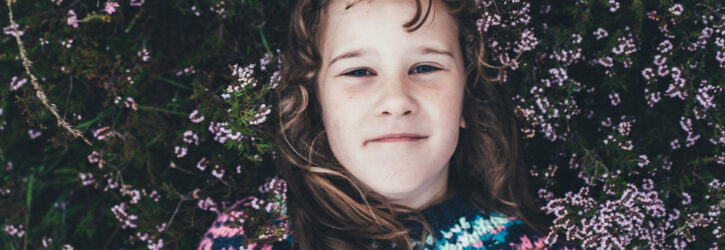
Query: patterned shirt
{"points": [[456, 224]]}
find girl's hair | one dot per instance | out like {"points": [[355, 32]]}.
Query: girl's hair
{"points": [[327, 207]]}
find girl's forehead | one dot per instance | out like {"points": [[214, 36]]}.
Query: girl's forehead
{"points": [[342, 7], [377, 30], [341, 16]]}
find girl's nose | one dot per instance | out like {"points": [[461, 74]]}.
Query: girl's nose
{"points": [[396, 98]]}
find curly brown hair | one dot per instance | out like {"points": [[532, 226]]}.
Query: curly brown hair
{"points": [[326, 206]]}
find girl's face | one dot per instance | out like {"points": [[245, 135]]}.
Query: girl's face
{"points": [[391, 99]]}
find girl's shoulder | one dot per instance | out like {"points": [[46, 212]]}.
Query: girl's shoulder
{"points": [[489, 231], [253, 223], [457, 224]]}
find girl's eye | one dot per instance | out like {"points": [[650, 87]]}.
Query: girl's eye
{"points": [[423, 69], [359, 73]]}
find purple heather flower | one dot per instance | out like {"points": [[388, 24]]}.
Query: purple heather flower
{"points": [[161, 228], [86, 178], [13, 30], [47, 241], [648, 73], [624, 128], [691, 139], [686, 198], [128, 220], [676, 9], [67, 44], [154, 195], [14, 231], [130, 103], [16, 83], [94, 157], [613, 5], [34, 133], [614, 98], [218, 173], [144, 54], [136, 2], [111, 7], [643, 161], [601, 33], [665, 46], [201, 165], [180, 151], [72, 19], [207, 204], [686, 124], [190, 137], [102, 133], [194, 118]]}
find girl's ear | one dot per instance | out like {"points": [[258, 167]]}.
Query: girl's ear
{"points": [[463, 122]]}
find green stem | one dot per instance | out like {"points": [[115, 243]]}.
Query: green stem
{"points": [[28, 201], [177, 84], [133, 22], [95, 119], [264, 41], [162, 110]]}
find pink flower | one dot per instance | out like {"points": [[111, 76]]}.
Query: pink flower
{"points": [[677, 9], [13, 30], [94, 157], [111, 7], [102, 133], [86, 178], [136, 2], [130, 103], [34, 133], [180, 151], [218, 173], [72, 19], [47, 241], [201, 165], [16, 83], [194, 118]]}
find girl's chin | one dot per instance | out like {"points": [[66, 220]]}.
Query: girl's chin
{"points": [[405, 191]]}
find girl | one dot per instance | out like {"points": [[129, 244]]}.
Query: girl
{"points": [[390, 134]]}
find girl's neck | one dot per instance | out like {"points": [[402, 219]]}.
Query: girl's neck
{"points": [[447, 194]]}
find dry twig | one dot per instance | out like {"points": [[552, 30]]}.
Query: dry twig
{"points": [[38, 90]]}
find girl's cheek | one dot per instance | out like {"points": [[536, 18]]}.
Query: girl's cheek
{"points": [[336, 111]]}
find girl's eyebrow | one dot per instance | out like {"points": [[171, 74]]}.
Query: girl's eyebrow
{"points": [[359, 52], [349, 54], [429, 50]]}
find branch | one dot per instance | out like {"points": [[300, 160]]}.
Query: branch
{"points": [[38, 90]]}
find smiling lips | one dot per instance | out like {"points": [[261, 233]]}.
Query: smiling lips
{"points": [[401, 137]]}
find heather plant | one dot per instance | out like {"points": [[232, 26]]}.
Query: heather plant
{"points": [[173, 97], [622, 108], [133, 124]]}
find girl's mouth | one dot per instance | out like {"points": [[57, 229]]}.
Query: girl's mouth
{"points": [[399, 137]]}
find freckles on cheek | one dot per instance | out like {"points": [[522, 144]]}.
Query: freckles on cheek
{"points": [[339, 115], [331, 119], [339, 140]]}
